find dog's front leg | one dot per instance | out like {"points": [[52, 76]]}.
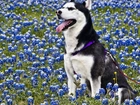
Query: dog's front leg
{"points": [[95, 85], [71, 85], [70, 74], [82, 81]]}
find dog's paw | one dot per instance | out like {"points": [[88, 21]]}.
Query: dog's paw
{"points": [[93, 95]]}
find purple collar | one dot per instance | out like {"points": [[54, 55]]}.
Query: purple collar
{"points": [[86, 45]]}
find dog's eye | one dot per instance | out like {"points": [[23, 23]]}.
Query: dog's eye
{"points": [[70, 8]]}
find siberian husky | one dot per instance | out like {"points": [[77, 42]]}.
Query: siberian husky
{"points": [[85, 55]]}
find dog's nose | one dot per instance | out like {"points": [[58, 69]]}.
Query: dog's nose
{"points": [[58, 12]]}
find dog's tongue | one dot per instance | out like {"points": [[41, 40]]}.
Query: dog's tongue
{"points": [[61, 26]]}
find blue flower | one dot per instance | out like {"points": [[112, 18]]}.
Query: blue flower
{"points": [[30, 100], [9, 102], [97, 96], [60, 92], [105, 101], [109, 86], [102, 91], [115, 87], [127, 102], [137, 100]]}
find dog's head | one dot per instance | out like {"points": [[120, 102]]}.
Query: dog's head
{"points": [[73, 14]]}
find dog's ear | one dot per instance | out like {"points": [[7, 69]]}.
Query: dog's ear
{"points": [[71, 0], [88, 4], [84, 3]]}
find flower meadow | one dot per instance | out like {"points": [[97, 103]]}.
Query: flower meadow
{"points": [[31, 52]]}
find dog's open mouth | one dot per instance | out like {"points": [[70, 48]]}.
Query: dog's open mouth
{"points": [[65, 25]]}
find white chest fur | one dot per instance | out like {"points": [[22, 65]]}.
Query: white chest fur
{"points": [[71, 40], [82, 65]]}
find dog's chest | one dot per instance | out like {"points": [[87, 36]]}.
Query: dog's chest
{"points": [[70, 45], [82, 65], [71, 40]]}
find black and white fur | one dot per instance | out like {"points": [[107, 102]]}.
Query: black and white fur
{"points": [[96, 68]]}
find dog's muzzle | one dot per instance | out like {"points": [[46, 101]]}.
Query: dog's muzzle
{"points": [[59, 14]]}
